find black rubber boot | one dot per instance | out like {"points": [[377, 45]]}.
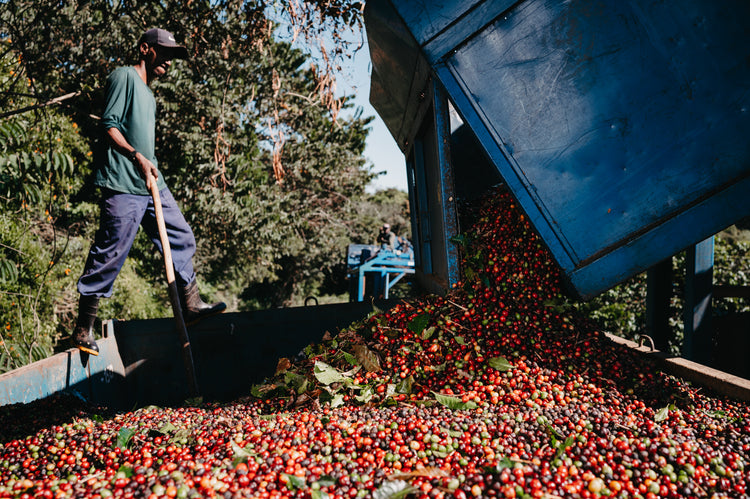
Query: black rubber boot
{"points": [[83, 336], [193, 307]]}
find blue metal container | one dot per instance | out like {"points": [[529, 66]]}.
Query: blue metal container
{"points": [[140, 361], [620, 126]]}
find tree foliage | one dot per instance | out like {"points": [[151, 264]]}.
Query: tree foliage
{"points": [[250, 138]]}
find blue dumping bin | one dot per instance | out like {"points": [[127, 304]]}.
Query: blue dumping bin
{"points": [[140, 361], [620, 127]]}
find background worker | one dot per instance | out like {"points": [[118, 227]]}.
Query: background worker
{"points": [[126, 167], [386, 239]]}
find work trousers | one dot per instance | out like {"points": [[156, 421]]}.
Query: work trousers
{"points": [[121, 215]]}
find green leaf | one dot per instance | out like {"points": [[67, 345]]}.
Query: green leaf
{"points": [[241, 455], [427, 333], [661, 415], [295, 482], [404, 386], [183, 435], [500, 363], [337, 400], [469, 273], [296, 382], [365, 395], [570, 440], [319, 494], [454, 403], [350, 359], [460, 340], [418, 323], [326, 481], [167, 428], [128, 471], [503, 463], [124, 437], [459, 239], [69, 164], [390, 390], [327, 374], [394, 489], [8, 271]]}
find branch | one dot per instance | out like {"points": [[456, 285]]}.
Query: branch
{"points": [[56, 100], [12, 249]]}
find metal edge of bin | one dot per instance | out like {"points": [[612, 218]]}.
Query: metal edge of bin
{"points": [[90, 377], [139, 360], [723, 383]]}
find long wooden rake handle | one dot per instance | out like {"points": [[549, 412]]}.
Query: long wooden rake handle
{"points": [[174, 297]]}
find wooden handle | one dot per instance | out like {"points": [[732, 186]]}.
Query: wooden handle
{"points": [[174, 296], [169, 266]]}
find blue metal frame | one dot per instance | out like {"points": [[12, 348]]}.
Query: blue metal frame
{"points": [[431, 191], [446, 198], [699, 264], [421, 229], [384, 265]]}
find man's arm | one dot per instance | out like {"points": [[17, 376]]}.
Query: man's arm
{"points": [[120, 143]]}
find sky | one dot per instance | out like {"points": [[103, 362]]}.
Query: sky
{"points": [[381, 149]]}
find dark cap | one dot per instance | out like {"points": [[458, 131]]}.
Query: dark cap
{"points": [[163, 38]]}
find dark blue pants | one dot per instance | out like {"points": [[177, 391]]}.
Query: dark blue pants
{"points": [[121, 215]]}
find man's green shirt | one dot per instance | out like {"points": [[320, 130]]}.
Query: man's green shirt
{"points": [[131, 108]]}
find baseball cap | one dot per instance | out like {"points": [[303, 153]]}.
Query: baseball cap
{"points": [[163, 38]]}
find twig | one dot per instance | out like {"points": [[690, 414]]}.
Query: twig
{"points": [[56, 100], [457, 305], [13, 249]]}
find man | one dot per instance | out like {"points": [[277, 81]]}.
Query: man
{"points": [[125, 172], [386, 238]]}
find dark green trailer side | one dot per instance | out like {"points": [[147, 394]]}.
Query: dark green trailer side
{"points": [[140, 361]]}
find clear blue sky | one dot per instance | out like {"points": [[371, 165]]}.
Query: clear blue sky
{"points": [[381, 149]]}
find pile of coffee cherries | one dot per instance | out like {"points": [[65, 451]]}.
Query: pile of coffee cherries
{"points": [[497, 389]]}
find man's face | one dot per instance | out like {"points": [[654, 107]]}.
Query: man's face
{"points": [[158, 59]]}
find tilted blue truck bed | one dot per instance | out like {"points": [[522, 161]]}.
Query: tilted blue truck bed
{"points": [[621, 127]]}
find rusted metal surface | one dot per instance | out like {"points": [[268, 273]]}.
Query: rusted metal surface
{"points": [[92, 377]]}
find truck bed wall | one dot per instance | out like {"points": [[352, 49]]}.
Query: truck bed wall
{"points": [[620, 127]]}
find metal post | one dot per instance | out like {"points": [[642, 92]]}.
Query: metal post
{"points": [[446, 197], [699, 262], [658, 297]]}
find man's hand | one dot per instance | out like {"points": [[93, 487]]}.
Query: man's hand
{"points": [[147, 169]]}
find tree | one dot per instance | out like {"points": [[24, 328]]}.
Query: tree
{"points": [[384, 206], [248, 138]]}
